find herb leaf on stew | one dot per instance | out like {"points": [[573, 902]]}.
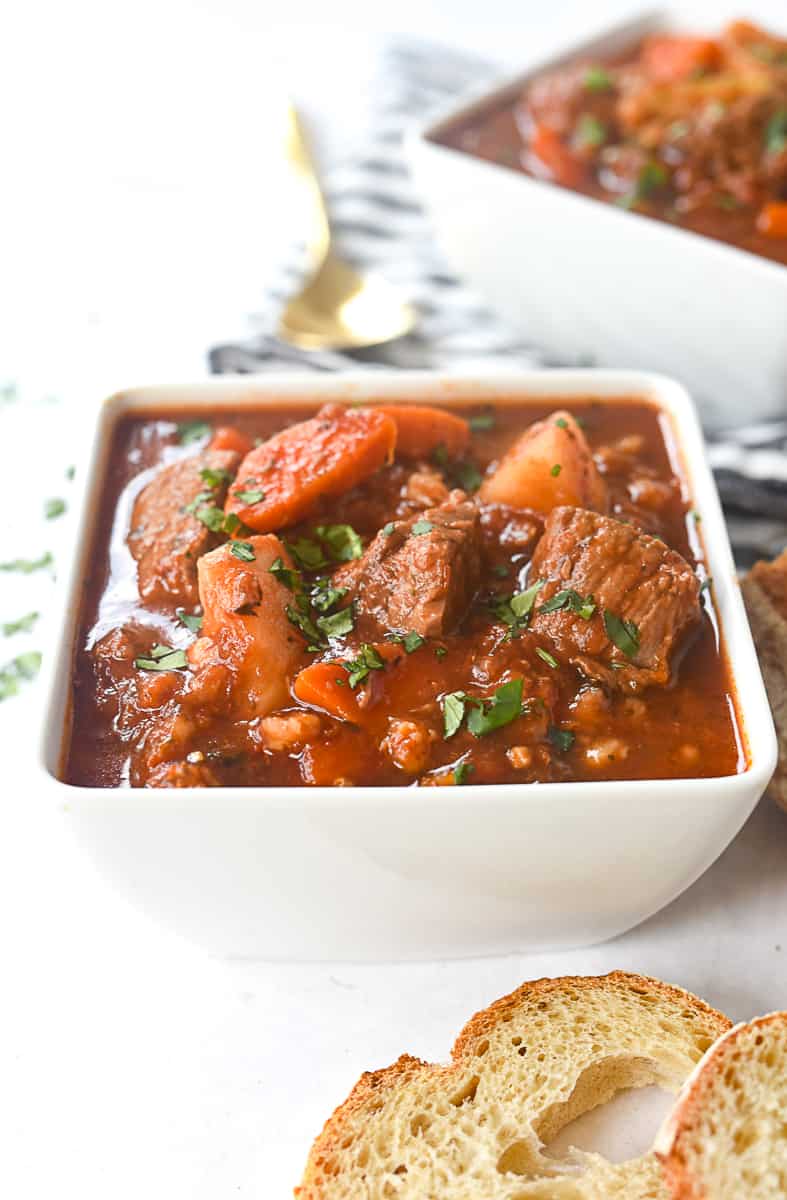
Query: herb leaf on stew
{"points": [[242, 550], [358, 668], [193, 431], [503, 707], [453, 706], [163, 658], [462, 772], [342, 541], [421, 527], [192, 621], [561, 739], [583, 606], [623, 634]]}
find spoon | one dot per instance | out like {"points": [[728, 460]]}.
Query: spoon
{"points": [[338, 308]]}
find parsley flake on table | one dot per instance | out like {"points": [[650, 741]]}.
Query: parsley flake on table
{"points": [[26, 566], [54, 508], [21, 625], [24, 667]]}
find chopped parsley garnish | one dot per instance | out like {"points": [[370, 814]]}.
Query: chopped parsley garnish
{"points": [[163, 658], [561, 423], [440, 651], [54, 508], [212, 516], [342, 541], [583, 606], [421, 527], [291, 579], [483, 715], [705, 586], [337, 624], [324, 595], [485, 420], [24, 666], [651, 177], [467, 476], [776, 132], [696, 515], [555, 470], [22, 625], [358, 668], [624, 634], [254, 496], [462, 772], [214, 476], [514, 611], [307, 554], [546, 657], [597, 79], [453, 706], [192, 621], [561, 739], [500, 570], [410, 641], [243, 550], [388, 529], [193, 431], [26, 566], [440, 455], [503, 707], [589, 131], [309, 611]]}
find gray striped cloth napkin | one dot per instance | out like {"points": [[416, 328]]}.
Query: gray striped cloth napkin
{"points": [[379, 223]]}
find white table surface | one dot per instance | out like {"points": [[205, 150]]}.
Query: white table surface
{"points": [[132, 1065]]}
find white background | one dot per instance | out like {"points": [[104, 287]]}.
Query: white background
{"points": [[140, 211]]}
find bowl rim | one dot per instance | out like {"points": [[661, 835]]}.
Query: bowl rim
{"points": [[422, 136], [296, 388]]}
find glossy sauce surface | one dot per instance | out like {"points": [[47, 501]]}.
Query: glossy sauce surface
{"points": [[568, 728]]}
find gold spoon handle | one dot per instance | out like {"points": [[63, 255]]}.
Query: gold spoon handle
{"points": [[318, 239]]}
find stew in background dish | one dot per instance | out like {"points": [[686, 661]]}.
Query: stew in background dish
{"points": [[691, 130], [398, 594]]}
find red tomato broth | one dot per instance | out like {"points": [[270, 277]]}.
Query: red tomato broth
{"points": [[689, 729]]}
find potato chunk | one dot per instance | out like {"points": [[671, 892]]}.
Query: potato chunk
{"points": [[245, 626], [549, 465]]}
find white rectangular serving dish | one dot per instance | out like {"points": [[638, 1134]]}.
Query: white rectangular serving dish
{"points": [[401, 872], [589, 281]]}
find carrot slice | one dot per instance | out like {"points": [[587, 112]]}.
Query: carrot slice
{"points": [[324, 685], [562, 165], [669, 58], [325, 456], [420, 430], [772, 220], [228, 438]]}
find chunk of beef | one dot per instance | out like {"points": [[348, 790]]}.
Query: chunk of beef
{"points": [[165, 539], [419, 574], [629, 575]]}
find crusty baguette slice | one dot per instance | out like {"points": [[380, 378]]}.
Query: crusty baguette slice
{"points": [[765, 593], [726, 1138], [521, 1070]]}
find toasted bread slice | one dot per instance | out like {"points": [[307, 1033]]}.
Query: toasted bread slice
{"points": [[765, 593], [520, 1071], [726, 1138]]}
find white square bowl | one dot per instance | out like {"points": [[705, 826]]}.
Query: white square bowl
{"points": [[400, 872], [589, 281]]}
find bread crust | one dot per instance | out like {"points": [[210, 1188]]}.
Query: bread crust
{"points": [[370, 1090], [765, 594], [680, 1124]]}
